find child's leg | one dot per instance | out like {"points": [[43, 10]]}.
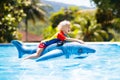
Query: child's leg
{"points": [[35, 55]]}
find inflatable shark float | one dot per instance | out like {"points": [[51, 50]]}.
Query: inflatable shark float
{"points": [[52, 51]]}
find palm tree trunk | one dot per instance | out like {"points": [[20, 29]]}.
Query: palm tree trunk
{"points": [[26, 30]]}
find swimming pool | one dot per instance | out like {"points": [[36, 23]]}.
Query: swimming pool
{"points": [[102, 65]]}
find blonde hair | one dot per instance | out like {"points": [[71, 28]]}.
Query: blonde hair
{"points": [[63, 24]]}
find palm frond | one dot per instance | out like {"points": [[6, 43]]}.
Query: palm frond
{"points": [[98, 37], [103, 33]]}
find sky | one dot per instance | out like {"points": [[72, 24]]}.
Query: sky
{"points": [[76, 2]]}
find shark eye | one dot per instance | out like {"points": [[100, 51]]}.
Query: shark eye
{"points": [[80, 50]]}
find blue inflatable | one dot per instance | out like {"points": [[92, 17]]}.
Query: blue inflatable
{"points": [[52, 51]]}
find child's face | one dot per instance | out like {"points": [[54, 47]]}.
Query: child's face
{"points": [[66, 29]]}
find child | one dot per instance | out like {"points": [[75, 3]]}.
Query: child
{"points": [[61, 35]]}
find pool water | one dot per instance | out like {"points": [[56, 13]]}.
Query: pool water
{"points": [[102, 65]]}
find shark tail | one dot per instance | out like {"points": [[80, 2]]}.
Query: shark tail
{"points": [[22, 49]]}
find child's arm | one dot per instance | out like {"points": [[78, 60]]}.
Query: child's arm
{"points": [[62, 38], [75, 40]]}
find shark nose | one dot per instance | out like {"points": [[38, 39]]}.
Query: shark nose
{"points": [[93, 51], [90, 50]]}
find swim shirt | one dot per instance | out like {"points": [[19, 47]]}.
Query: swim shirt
{"points": [[60, 36]]}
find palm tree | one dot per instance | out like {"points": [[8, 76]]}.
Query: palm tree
{"points": [[33, 10], [87, 27], [94, 32], [90, 31]]}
